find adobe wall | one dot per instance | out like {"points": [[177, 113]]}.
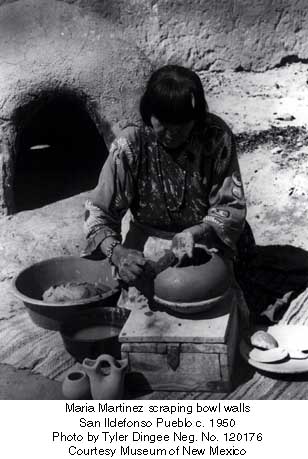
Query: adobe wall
{"points": [[103, 52], [212, 34]]}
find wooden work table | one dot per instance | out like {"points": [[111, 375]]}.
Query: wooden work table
{"points": [[249, 383]]}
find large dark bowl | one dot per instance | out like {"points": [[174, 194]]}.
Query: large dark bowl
{"points": [[106, 323], [32, 282]]}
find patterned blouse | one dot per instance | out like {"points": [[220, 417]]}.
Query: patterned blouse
{"points": [[200, 182]]}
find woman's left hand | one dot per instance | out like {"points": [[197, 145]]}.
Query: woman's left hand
{"points": [[183, 245]]}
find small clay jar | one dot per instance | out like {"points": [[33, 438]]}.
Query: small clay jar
{"points": [[76, 386], [106, 377]]}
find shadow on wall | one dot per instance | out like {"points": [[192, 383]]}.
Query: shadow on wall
{"points": [[59, 151]]}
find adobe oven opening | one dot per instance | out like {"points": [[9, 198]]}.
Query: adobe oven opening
{"points": [[59, 150]]}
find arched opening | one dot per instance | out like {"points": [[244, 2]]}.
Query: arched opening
{"points": [[59, 151]]}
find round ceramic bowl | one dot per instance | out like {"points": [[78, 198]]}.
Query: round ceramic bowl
{"points": [[32, 282], [202, 283], [95, 333]]}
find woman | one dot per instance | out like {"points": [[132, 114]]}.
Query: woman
{"points": [[178, 174]]}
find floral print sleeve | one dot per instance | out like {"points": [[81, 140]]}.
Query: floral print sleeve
{"points": [[113, 194], [227, 211]]}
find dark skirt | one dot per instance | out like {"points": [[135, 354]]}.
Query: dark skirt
{"points": [[270, 276]]}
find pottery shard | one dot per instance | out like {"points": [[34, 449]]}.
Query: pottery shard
{"points": [[263, 340]]}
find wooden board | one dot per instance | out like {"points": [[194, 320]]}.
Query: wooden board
{"points": [[169, 353], [145, 325], [161, 348], [196, 372]]}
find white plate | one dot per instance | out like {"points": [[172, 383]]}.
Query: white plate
{"points": [[290, 336], [293, 338], [269, 355], [295, 354], [287, 366]]}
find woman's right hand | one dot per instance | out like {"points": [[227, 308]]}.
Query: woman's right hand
{"points": [[129, 263]]}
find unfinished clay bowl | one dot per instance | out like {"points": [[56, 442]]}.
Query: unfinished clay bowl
{"points": [[202, 283], [32, 282]]}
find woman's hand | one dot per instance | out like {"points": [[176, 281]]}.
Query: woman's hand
{"points": [[130, 263], [183, 245]]}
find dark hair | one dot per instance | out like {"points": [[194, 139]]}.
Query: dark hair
{"points": [[169, 94]]}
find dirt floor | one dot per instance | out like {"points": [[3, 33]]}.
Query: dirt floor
{"points": [[269, 114], [24, 385]]}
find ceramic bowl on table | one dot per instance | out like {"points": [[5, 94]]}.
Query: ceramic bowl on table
{"points": [[198, 285], [31, 283]]}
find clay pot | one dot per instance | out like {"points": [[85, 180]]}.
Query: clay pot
{"points": [[76, 386], [106, 376], [201, 279]]}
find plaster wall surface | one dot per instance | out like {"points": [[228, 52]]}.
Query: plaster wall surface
{"points": [[211, 34]]}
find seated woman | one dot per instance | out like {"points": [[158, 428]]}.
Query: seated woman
{"points": [[177, 172]]}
